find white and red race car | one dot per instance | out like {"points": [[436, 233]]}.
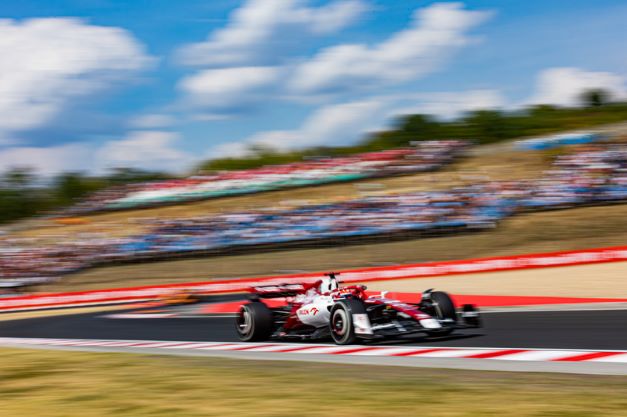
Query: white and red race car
{"points": [[347, 314]]}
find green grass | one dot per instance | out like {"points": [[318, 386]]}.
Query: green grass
{"points": [[60, 384]]}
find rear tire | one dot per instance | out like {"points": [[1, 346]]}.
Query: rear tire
{"points": [[444, 309], [254, 322], [341, 323]]}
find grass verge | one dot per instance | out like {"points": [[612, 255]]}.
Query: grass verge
{"points": [[54, 383]]}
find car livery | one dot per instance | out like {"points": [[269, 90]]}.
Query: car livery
{"points": [[323, 309]]}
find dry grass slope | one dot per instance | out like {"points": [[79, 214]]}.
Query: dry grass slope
{"points": [[53, 384]]}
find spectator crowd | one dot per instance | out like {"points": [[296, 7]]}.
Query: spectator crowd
{"points": [[424, 156], [595, 175]]}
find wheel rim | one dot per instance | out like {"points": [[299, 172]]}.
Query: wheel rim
{"points": [[339, 324], [244, 322], [438, 311]]}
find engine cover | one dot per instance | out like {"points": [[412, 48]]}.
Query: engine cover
{"points": [[316, 313]]}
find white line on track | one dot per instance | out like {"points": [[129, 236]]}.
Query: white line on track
{"points": [[505, 359]]}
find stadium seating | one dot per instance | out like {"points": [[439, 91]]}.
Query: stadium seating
{"points": [[596, 175], [425, 156], [554, 141]]}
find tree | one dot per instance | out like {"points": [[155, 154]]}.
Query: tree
{"points": [[595, 97], [419, 127], [19, 197], [17, 178], [486, 126], [71, 186], [120, 176], [542, 110]]}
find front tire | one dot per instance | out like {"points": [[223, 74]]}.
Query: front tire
{"points": [[443, 308], [341, 322], [254, 322]]}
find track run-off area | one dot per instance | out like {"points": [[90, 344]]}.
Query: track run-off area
{"points": [[585, 337]]}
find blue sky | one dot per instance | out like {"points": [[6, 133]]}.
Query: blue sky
{"points": [[158, 84]]}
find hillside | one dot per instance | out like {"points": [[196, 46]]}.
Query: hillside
{"points": [[485, 161], [549, 231]]}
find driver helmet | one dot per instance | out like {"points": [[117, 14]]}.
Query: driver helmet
{"points": [[327, 285]]}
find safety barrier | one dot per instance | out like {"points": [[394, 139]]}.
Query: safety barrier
{"points": [[431, 269]]}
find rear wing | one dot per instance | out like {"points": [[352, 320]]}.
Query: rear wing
{"points": [[277, 291], [285, 289]]}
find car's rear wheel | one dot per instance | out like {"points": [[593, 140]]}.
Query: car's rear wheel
{"points": [[341, 322], [443, 309], [254, 322]]}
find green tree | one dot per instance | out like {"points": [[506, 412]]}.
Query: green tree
{"points": [[18, 178], [486, 126], [121, 176], [71, 186], [595, 97], [19, 196]]}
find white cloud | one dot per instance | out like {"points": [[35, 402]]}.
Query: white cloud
{"points": [[258, 28], [144, 149], [152, 150], [564, 86], [147, 149], [229, 88], [436, 31], [448, 105], [48, 160], [152, 121], [345, 123], [332, 125], [46, 63], [336, 124], [229, 149]]}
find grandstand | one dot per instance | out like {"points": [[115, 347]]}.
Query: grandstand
{"points": [[594, 174], [424, 156], [480, 162], [555, 141]]}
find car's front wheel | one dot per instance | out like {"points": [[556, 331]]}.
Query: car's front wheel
{"points": [[443, 308], [341, 322], [254, 322]]}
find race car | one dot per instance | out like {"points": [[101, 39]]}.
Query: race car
{"points": [[323, 309]]}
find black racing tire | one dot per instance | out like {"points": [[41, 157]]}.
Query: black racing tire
{"points": [[444, 309], [254, 322], [341, 323]]}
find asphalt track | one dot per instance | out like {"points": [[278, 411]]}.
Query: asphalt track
{"points": [[602, 330]]}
